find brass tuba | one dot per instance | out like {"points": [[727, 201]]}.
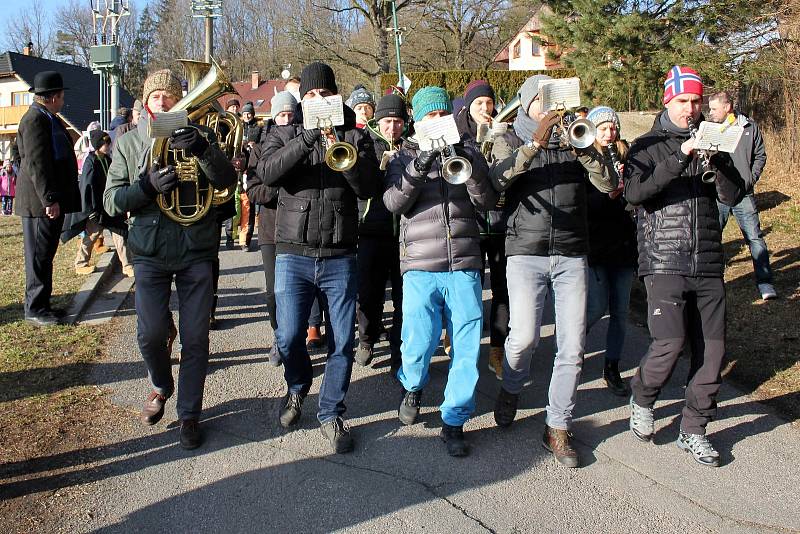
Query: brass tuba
{"points": [[194, 196]]}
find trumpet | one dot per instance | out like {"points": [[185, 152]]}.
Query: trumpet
{"points": [[709, 175], [578, 133], [339, 155], [455, 169]]}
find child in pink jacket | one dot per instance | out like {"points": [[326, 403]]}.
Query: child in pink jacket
{"points": [[8, 186]]}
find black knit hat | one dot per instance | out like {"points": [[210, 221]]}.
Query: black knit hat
{"points": [[317, 76], [98, 138], [391, 106], [475, 90]]}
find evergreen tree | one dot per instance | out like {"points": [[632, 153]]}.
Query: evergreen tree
{"points": [[141, 53]]}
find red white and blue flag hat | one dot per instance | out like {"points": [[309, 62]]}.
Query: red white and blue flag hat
{"points": [[682, 80]]}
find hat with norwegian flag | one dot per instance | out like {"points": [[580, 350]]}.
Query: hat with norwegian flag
{"points": [[682, 80]]}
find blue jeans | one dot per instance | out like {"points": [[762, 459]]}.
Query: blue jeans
{"points": [[298, 280], [530, 280], [427, 299], [610, 289], [746, 215]]}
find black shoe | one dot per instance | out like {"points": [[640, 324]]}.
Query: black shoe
{"points": [[453, 436], [57, 312], [614, 380], [191, 437], [338, 434], [505, 408], [42, 319], [363, 354], [274, 356], [409, 407], [212, 323], [290, 413]]}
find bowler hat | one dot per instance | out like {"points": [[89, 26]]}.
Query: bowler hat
{"points": [[47, 81]]}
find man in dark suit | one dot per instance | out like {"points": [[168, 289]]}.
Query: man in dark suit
{"points": [[47, 189]]}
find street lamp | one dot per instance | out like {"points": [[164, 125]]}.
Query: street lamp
{"points": [[209, 10]]}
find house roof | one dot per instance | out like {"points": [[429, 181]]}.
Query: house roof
{"points": [[83, 88], [534, 25], [260, 97]]}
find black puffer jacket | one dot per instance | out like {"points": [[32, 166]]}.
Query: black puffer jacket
{"points": [[438, 232], [317, 207], [678, 220], [376, 220], [545, 199]]}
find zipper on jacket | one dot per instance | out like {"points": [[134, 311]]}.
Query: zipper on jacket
{"points": [[446, 213]]}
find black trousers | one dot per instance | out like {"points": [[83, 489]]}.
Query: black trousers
{"points": [[684, 310], [268, 259], [378, 261], [493, 249], [40, 241]]}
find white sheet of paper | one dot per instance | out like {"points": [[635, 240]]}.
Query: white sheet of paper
{"points": [[499, 128], [437, 133], [719, 137], [319, 111], [563, 93], [162, 124]]}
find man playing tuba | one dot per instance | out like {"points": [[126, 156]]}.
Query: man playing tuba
{"points": [[163, 249]]}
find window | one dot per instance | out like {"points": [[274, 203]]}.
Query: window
{"points": [[21, 98], [516, 50], [535, 51]]}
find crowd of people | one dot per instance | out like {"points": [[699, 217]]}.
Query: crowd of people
{"points": [[552, 220]]}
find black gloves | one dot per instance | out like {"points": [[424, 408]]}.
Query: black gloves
{"points": [[159, 181], [425, 160], [311, 136], [189, 139]]}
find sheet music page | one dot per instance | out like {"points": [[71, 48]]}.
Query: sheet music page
{"points": [[320, 110], [720, 137], [437, 133], [564, 93], [163, 123]]}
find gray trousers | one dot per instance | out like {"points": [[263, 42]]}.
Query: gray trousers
{"points": [[195, 290]]}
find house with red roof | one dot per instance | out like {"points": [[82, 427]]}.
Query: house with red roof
{"points": [[528, 49], [257, 91]]}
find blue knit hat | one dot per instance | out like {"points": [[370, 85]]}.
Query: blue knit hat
{"points": [[602, 114], [430, 99]]}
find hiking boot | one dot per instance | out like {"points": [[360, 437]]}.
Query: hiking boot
{"points": [[274, 356], [313, 338], [505, 408], [84, 270], [409, 407], [191, 437], [153, 409], [453, 436], [363, 354], [338, 434], [702, 450], [496, 361], [642, 424], [290, 413], [557, 441], [614, 380], [767, 291]]}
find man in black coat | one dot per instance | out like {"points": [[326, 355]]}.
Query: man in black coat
{"points": [[47, 188], [316, 234], [681, 261]]}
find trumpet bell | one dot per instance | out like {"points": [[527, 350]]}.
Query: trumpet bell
{"points": [[456, 170], [581, 133], [341, 156]]}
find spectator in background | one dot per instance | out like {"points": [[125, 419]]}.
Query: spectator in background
{"points": [[122, 129], [363, 103], [233, 106], [8, 185]]}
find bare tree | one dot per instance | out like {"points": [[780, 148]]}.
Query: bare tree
{"points": [[29, 25]]}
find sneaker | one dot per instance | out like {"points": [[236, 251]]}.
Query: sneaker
{"points": [[84, 270], [274, 356], [291, 412], [191, 437], [614, 380], [153, 409], [363, 354], [642, 424], [453, 436], [338, 434], [767, 291], [409, 407], [702, 450], [496, 361], [505, 408], [557, 441]]}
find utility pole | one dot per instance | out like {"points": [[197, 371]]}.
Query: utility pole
{"points": [[398, 40], [104, 56], [208, 10]]}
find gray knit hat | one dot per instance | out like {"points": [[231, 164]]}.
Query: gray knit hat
{"points": [[283, 101], [360, 96], [530, 89]]}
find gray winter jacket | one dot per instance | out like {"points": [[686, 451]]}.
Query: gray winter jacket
{"points": [[750, 155], [438, 230]]}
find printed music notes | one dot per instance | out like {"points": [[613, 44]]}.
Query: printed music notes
{"points": [[558, 94], [710, 136], [163, 123], [319, 111], [437, 133]]}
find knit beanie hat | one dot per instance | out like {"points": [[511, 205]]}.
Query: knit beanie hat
{"points": [[232, 102], [477, 89], [137, 105], [361, 96], [682, 80], [248, 108], [162, 80], [602, 114], [98, 138], [530, 90], [317, 76], [391, 106], [429, 99], [283, 101]]}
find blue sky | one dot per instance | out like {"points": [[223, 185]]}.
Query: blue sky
{"points": [[52, 5]]}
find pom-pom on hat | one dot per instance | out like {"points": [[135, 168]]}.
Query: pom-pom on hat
{"points": [[429, 99], [682, 80]]}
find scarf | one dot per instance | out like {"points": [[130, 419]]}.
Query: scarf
{"points": [[670, 126]]}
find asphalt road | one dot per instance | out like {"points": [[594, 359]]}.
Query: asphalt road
{"points": [[253, 476]]}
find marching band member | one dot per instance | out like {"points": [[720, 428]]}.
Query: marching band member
{"points": [[440, 260], [164, 250]]}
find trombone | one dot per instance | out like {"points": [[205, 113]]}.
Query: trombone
{"points": [[339, 155]]}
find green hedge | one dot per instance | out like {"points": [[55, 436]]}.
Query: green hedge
{"points": [[504, 82]]}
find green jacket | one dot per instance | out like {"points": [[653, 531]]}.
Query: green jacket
{"points": [[153, 237]]}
